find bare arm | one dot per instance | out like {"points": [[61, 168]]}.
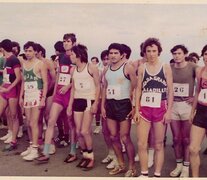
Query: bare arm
{"points": [[103, 93], [43, 72], [138, 93], [169, 80]]}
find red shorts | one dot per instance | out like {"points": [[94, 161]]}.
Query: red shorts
{"points": [[151, 114], [62, 99], [13, 93]]}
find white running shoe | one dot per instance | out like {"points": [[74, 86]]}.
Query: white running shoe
{"points": [[26, 152], [176, 172], [97, 130], [52, 149], [8, 140], [142, 176], [112, 164], [107, 159], [20, 132], [185, 172], [136, 158], [5, 137], [32, 155]]}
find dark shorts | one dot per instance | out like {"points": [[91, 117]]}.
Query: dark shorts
{"points": [[118, 109], [13, 93], [81, 105], [151, 114], [200, 118], [50, 92]]}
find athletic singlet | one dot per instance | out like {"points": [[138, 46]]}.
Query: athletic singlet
{"points": [[33, 85], [1, 68], [154, 88], [84, 84], [8, 73], [31, 79], [183, 81], [64, 72], [119, 85], [202, 97]]}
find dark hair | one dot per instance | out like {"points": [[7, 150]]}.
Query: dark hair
{"points": [[141, 49], [116, 46], [150, 42], [23, 56], [6, 44], [204, 50], [126, 50], [172, 61], [104, 53], [70, 36], [53, 57], [95, 59], [81, 52], [30, 44], [180, 46], [16, 44], [59, 46], [42, 49]]}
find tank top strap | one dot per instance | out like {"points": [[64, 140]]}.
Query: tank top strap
{"points": [[200, 78]]}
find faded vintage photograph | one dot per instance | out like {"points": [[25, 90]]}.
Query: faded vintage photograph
{"points": [[103, 89]]}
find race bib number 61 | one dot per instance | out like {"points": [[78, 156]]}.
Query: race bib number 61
{"points": [[151, 99]]}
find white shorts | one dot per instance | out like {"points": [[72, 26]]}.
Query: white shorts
{"points": [[181, 111]]}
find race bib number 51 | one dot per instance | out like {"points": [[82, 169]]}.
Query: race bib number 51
{"points": [[113, 92], [151, 99]]}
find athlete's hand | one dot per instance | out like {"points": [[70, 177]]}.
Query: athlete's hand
{"points": [[21, 102], [167, 117], [63, 90], [42, 103], [103, 113], [131, 114], [94, 108], [3, 90], [190, 100], [192, 114], [136, 116], [69, 111]]}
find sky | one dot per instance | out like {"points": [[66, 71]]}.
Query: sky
{"points": [[97, 25]]}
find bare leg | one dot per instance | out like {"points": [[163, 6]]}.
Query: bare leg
{"points": [[197, 135]]}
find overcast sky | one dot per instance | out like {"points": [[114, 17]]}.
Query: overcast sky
{"points": [[98, 25]]}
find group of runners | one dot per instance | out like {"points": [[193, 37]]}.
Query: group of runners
{"points": [[68, 90]]}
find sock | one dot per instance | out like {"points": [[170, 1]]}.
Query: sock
{"points": [[46, 149], [85, 153], [73, 148], [90, 154], [144, 173], [179, 163], [157, 174]]}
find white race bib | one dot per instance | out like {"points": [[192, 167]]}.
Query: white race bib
{"points": [[30, 86], [32, 99], [6, 77], [82, 85], [113, 92], [64, 79], [181, 90], [151, 99], [202, 97]]}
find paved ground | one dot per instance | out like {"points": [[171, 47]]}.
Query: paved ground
{"points": [[11, 164]]}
